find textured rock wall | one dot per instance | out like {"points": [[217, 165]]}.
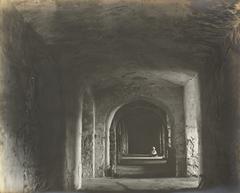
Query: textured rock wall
{"points": [[18, 130], [215, 131], [51, 119], [108, 100], [30, 112], [232, 69], [192, 118]]}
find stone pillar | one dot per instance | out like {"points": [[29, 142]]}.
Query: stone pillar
{"points": [[124, 140], [88, 136], [113, 147], [191, 103], [179, 139]]}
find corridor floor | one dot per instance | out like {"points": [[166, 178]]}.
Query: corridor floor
{"points": [[139, 185]]}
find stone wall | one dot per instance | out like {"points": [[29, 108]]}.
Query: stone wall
{"points": [[215, 131], [30, 109], [232, 69]]}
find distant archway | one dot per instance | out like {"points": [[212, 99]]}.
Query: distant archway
{"points": [[135, 128]]}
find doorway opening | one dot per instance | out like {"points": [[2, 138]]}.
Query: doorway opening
{"points": [[138, 128]]}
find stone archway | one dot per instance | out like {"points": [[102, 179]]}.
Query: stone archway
{"points": [[136, 127]]}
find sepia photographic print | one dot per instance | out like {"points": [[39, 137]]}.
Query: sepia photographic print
{"points": [[120, 96]]}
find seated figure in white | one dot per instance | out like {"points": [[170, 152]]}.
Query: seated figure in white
{"points": [[154, 152]]}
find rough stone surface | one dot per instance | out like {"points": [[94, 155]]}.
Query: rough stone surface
{"points": [[216, 134], [192, 127], [26, 166], [88, 136], [19, 143], [232, 70]]}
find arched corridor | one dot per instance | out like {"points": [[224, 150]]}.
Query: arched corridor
{"points": [[119, 95], [137, 128]]}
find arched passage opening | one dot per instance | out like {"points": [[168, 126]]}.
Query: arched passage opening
{"points": [[136, 129], [141, 129]]}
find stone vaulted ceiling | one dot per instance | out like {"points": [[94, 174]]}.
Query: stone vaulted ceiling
{"points": [[117, 39]]}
